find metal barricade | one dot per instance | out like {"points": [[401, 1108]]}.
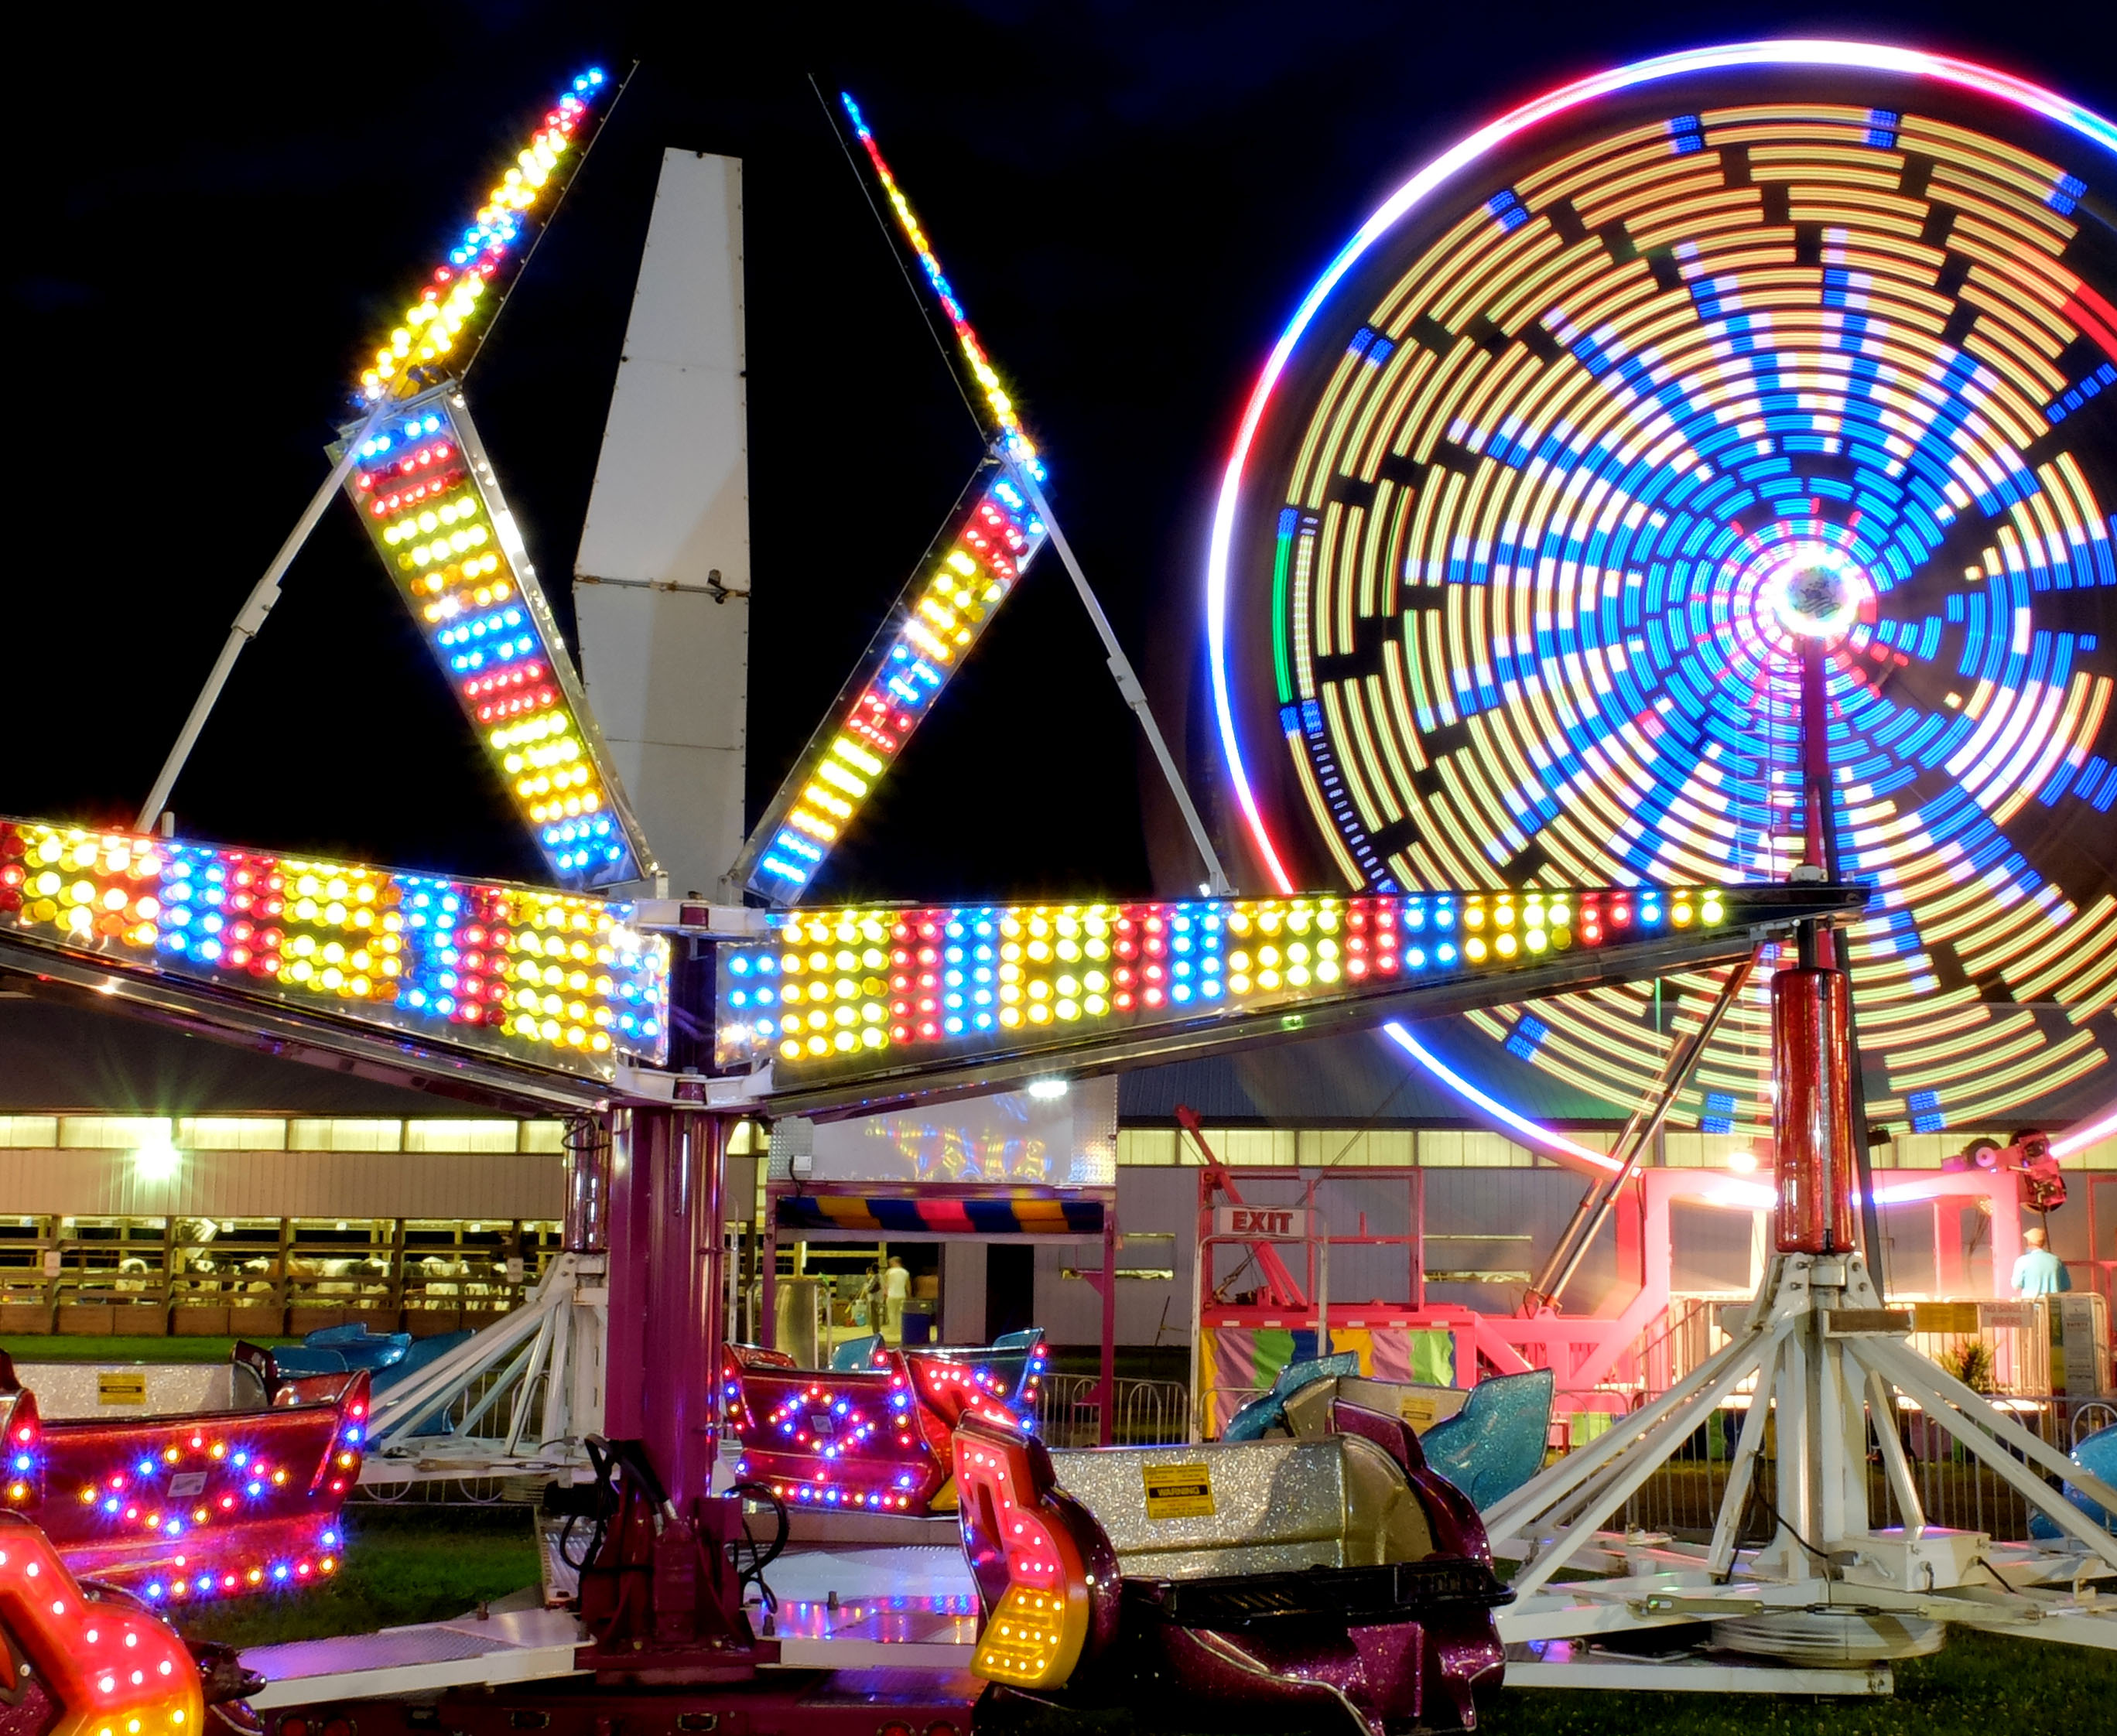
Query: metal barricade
{"points": [[1148, 1413], [1955, 1489]]}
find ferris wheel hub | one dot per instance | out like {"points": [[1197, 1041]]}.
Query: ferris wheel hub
{"points": [[1814, 593]]}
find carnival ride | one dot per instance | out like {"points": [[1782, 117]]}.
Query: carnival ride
{"points": [[1601, 510], [193, 1508]]}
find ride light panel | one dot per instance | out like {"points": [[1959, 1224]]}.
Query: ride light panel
{"points": [[109, 1666], [551, 978], [179, 1510], [1013, 437], [440, 327], [1032, 1578], [837, 992], [932, 628], [878, 1438], [984, 548], [425, 490]]}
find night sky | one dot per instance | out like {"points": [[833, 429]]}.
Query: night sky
{"points": [[213, 216]]}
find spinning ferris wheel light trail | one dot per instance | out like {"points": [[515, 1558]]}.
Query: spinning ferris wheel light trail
{"points": [[1603, 420]]}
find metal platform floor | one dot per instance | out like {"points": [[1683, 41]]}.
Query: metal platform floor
{"points": [[909, 1606], [900, 1606]]}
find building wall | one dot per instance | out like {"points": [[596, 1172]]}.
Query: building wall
{"points": [[1493, 1207], [268, 1167]]}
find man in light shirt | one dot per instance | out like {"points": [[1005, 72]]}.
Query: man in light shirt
{"points": [[896, 1286], [2039, 1271]]}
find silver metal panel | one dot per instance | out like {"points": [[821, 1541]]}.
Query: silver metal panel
{"points": [[514, 1645], [1276, 1505], [251, 1021], [73, 1389], [662, 577]]}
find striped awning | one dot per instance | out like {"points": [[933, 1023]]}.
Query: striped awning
{"points": [[993, 1214]]}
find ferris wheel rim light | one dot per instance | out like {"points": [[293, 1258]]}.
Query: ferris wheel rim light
{"points": [[1550, 1139], [1789, 52]]}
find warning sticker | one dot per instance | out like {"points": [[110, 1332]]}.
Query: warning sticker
{"points": [[121, 1386], [1943, 1317], [1179, 1491], [1420, 1409]]}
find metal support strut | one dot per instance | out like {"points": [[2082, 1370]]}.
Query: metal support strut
{"points": [[1596, 1204], [1821, 812], [1128, 687], [250, 619]]}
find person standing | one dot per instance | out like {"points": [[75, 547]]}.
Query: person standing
{"points": [[896, 1286], [2039, 1271]]}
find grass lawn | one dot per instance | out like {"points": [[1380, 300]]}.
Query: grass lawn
{"points": [[1978, 1685], [408, 1564], [33, 1347], [402, 1564]]}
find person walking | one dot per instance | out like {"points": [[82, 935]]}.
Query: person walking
{"points": [[896, 1286], [2039, 1271]]}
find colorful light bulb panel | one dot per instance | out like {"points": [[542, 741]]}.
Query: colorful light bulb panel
{"points": [[1009, 1370], [875, 1440], [187, 1510], [437, 332], [847, 991], [934, 625], [109, 1665], [983, 550], [1601, 425], [550, 978], [1014, 439], [425, 489]]}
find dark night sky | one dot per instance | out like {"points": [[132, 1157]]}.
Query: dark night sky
{"points": [[214, 213]]}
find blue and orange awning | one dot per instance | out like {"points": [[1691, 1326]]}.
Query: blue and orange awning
{"points": [[994, 1214]]}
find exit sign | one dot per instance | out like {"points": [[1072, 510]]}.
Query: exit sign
{"points": [[1266, 1222]]}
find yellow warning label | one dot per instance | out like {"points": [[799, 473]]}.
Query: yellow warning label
{"points": [[1943, 1317], [121, 1386], [1420, 1409], [1179, 1491]]}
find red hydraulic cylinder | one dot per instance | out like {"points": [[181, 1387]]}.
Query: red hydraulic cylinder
{"points": [[1812, 1112]]}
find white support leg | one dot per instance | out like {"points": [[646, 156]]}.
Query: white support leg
{"points": [[555, 1338], [1881, 1406], [1640, 1466], [1989, 1434], [1544, 1491], [1742, 1472]]}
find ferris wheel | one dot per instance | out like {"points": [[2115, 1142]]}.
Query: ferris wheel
{"points": [[1596, 425]]}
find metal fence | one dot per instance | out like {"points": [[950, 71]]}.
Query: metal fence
{"points": [[1955, 1489], [1146, 1413]]}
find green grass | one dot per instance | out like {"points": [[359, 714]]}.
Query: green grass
{"points": [[402, 1565], [30, 1348], [1978, 1684]]}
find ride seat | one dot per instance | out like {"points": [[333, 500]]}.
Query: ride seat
{"points": [[1276, 1505], [1487, 1439], [1268, 1582]]}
